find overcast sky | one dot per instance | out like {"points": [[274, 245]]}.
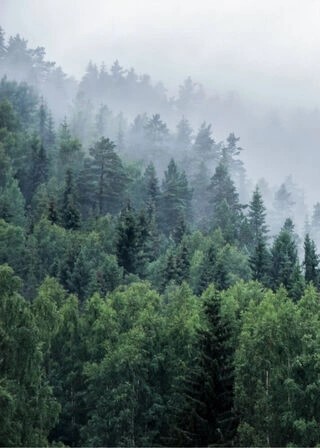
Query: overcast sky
{"points": [[263, 49], [266, 51]]}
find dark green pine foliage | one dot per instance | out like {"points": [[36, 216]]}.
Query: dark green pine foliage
{"points": [[39, 166], [224, 202], [151, 189], [257, 219], [170, 272], [285, 264], [66, 375], [208, 417], [86, 186], [70, 153], [180, 230], [8, 118], [147, 241], [311, 262], [208, 266], [260, 258], [260, 262], [70, 214], [53, 215], [42, 122], [175, 198], [129, 247], [81, 277], [46, 128], [182, 262], [109, 176], [28, 408]]}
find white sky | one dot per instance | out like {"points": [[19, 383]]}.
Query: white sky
{"points": [[266, 50]]}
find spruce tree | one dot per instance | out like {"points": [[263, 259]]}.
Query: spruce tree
{"points": [[69, 212], [260, 262], [257, 219], [128, 240], [175, 198], [109, 176], [285, 269], [224, 201], [39, 167], [311, 261], [207, 417]]}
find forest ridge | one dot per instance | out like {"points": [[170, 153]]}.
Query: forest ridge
{"points": [[149, 295]]}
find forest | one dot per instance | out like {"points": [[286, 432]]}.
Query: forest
{"points": [[150, 293]]}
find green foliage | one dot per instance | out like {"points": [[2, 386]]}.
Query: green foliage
{"points": [[29, 410], [175, 198], [285, 265], [140, 325], [108, 177]]}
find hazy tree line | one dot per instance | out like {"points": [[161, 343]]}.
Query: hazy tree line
{"points": [[144, 299]]}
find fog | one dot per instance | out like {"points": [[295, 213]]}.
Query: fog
{"points": [[257, 61]]}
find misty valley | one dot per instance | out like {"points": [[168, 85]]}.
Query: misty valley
{"points": [[152, 292]]}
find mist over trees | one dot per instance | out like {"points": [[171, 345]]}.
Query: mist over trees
{"points": [[151, 293]]}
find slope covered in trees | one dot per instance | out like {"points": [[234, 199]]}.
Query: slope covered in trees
{"points": [[148, 297]]}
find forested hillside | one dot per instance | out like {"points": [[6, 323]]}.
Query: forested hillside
{"points": [[150, 295]]}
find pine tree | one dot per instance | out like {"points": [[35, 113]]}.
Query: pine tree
{"points": [[257, 219], [182, 262], [207, 417], [224, 201], [53, 216], [69, 212], [70, 153], [175, 198], [151, 190], [169, 273], [128, 240], [208, 269], [311, 261], [260, 262], [109, 175], [285, 269], [39, 166]]}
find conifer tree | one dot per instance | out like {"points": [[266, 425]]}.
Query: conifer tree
{"points": [[128, 240], [208, 417], [260, 262], [257, 218], [311, 262], [39, 167], [69, 212], [109, 176], [175, 198], [224, 201], [151, 190], [69, 151], [285, 268]]}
